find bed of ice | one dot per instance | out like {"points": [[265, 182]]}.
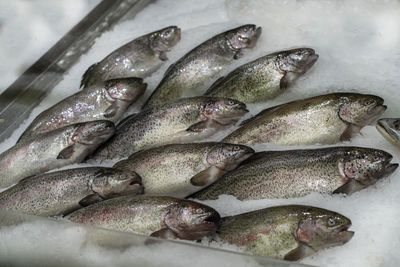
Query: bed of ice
{"points": [[359, 46]]}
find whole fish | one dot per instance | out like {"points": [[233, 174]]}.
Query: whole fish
{"points": [[52, 150], [180, 121], [265, 77], [105, 101], [202, 64], [164, 217], [181, 169], [324, 119], [62, 192], [390, 129], [286, 232], [138, 58], [296, 173]]}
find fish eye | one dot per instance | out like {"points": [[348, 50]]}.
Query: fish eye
{"points": [[236, 148], [369, 102], [331, 221], [231, 103], [198, 211]]}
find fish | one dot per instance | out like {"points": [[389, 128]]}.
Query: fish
{"points": [[138, 58], [296, 173], [61, 192], [189, 74], [265, 77], [157, 216], [179, 170], [52, 150], [390, 130], [181, 121], [108, 101], [289, 232], [324, 119]]}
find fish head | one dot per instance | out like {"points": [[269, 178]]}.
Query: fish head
{"points": [[245, 36], [125, 89], [92, 133], [228, 156], [192, 221], [319, 229], [390, 129], [165, 39], [365, 167], [295, 62], [109, 183], [223, 111], [362, 110]]}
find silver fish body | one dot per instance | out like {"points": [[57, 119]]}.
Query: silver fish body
{"points": [[181, 121], [181, 169], [138, 58], [188, 75], [296, 173], [105, 101], [164, 217], [52, 150], [286, 232], [390, 129], [61, 192], [324, 119], [265, 77]]}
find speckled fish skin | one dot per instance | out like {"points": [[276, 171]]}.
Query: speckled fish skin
{"points": [[296, 173], [179, 170], [189, 74], [324, 119], [286, 232], [159, 216], [108, 101], [61, 192], [52, 150], [138, 58], [265, 77], [390, 129], [181, 121]]}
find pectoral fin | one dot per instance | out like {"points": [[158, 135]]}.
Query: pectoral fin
{"points": [[165, 233], [90, 199], [198, 127], [298, 253], [206, 177], [111, 110], [350, 131], [349, 187], [67, 152]]}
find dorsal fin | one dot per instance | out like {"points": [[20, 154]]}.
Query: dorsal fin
{"points": [[215, 84], [260, 114], [87, 76]]}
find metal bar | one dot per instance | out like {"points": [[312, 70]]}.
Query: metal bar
{"points": [[17, 101]]}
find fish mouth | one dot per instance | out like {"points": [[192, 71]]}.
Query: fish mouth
{"points": [[311, 59], [390, 168], [384, 128], [375, 113], [343, 235]]}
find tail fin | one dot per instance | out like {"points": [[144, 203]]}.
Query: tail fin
{"points": [[88, 76]]}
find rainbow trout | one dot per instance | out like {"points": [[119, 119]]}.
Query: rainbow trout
{"points": [[265, 77], [181, 169], [164, 217], [324, 119], [62, 192], [296, 173], [138, 58]]}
